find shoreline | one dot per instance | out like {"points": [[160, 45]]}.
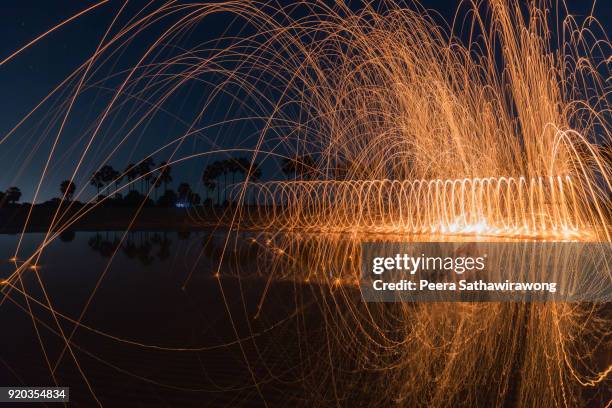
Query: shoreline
{"points": [[12, 220]]}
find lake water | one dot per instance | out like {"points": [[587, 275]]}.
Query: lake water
{"points": [[154, 298], [165, 322]]}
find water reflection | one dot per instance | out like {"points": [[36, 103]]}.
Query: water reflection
{"points": [[252, 316], [67, 236], [149, 247], [142, 246]]}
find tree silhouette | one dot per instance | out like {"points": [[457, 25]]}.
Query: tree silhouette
{"points": [[67, 188], [116, 177], [250, 170], [255, 170], [164, 174], [211, 174], [131, 173], [134, 199], [194, 198], [168, 199], [12, 195], [232, 167], [156, 184], [184, 193], [144, 170], [209, 180], [223, 169], [109, 175], [210, 185], [299, 166], [161, 177], [97, 182]]}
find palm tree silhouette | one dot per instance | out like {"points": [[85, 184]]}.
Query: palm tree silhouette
{"points": [[216, 170], [209, 180], [163, 177], [102, 177], [67, 188], [184, 193], [233, 167], [164, 174], [210, 186], [109, 175], [131, 172], [144, 170], [253, 168], [299, 166], [223, 169], [97, 182], [117, 177]]}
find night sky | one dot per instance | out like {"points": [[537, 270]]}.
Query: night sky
{"points": [[28, 78]]}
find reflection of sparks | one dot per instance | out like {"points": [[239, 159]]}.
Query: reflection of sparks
{"points": [[474, 339]]}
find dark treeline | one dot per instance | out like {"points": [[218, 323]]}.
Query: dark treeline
{"points": [[144, 181], [221, 174]]}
